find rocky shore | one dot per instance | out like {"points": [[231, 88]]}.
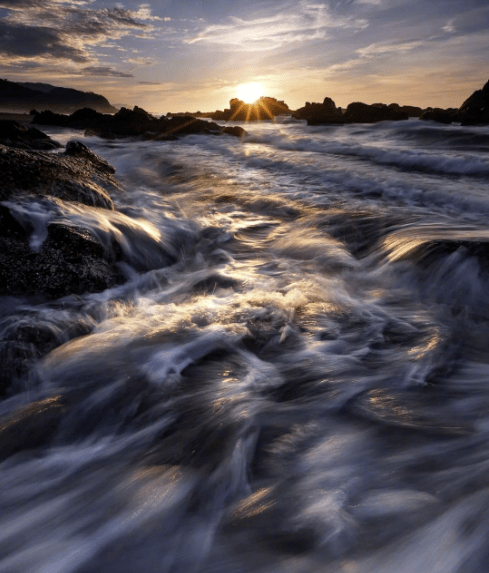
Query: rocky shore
{"points": [[135, 122]]}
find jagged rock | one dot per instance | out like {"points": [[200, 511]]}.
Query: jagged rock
{"points": [[358, 112], [320, 113], [83, 178], [475, 109], [16, 135]]}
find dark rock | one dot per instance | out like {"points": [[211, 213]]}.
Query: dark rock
{"points": [[30, 426], [475, 109], [78, 149], [126, 122], [358, 112], [71, 178], [235, 130], [70, 261], [446, 116], [320, 113], [16, 135], [411, 110]]}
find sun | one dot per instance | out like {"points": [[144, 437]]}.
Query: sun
{"points": [[249, 93]]}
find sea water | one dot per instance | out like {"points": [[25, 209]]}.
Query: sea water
{"points": [[301, 385]]}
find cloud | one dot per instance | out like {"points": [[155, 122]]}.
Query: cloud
{"points": [[31, 29], [295, 23], [381, 49], [141, 61], [33, 41], [105, 71]]}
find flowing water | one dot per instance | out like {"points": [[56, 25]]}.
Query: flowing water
{"points": [[293, 378]]}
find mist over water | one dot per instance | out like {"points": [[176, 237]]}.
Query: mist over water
{"points": [[293, 376]]}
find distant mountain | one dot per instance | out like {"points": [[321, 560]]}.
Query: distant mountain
{"points": [[23, 97]]}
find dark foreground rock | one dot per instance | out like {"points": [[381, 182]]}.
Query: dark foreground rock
{"points": [[78, 175], [14, 134], [30, 426], [135, 122]]}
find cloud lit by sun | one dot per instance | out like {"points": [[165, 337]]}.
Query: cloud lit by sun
{"points": [[249, 93]]}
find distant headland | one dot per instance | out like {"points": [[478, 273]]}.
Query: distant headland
{"points": [[23, 97]]}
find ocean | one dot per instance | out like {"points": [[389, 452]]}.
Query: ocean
{"points": [[304, 388]]}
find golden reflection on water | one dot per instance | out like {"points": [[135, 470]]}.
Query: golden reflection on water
{"points": [[254, 504]]}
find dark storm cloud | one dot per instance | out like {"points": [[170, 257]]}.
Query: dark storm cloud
{"points": [[67, 30], [30, 41]]}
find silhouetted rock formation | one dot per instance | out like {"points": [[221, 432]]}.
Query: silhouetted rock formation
{"points": [[135, 122], [263, 109], [358, 112], [411, 110], [318, 113], [16, 135], [23, 97], [474, 110]]}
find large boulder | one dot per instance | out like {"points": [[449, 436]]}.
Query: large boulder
{"points": [[446, 116], [411, 110], [358, 112], [84, 178], [320, 113], [15, 134]]}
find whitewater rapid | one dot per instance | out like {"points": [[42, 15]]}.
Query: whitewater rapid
{"points": [[294, 374]]}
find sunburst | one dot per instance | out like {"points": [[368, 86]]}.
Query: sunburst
{"points": [[249, 93]]}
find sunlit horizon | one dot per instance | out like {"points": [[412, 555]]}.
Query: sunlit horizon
{"points": [[250, 92]]}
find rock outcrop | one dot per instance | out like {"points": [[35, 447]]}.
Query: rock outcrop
{"points": [[65, 259], [14, 134], [358, 112], [266, 108], [135, 122], [320, 113], [474, 110]]}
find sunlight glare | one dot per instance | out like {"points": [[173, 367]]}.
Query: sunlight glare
{"points": [[249, 93]]}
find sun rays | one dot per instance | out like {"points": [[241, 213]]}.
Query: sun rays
{"points": [[249, 93]]}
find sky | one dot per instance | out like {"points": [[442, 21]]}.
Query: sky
{"points": [[189, 55]]}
